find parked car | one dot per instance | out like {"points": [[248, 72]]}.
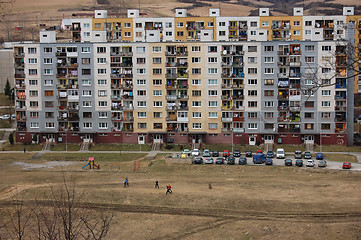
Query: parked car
{"points": [[269, 161], [319, 156], [206, 153], [237, 153], [299, 163], [259, 158], [226, 153], [242, 161], [270, 154], [288, 162], [5, 117], [195, 152], [13, 116], [310, 163], [198, 161], [259, 151], [298, 154], [186, 151], [249, 154], [322, 163], [231, 160], [215, 153], [346, 165], [219, 160], [280, 153], [208, 160], [184, 155], [307, 155]]}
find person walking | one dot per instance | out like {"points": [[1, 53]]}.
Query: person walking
{"points": [[126, 183], [169, 189], [156, 184]]}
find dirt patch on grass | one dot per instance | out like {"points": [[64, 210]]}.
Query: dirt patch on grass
{"points": [[46, 164]]}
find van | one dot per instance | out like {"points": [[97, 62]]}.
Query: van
{"points": [[259, 158], [298, 154], [280, 153]]}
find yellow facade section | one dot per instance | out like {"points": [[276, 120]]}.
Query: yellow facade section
{"points": [[282, 27], [188, 28], [117, 26]]}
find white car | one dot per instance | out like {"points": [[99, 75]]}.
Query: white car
{"points": [[195, 152], [186, 151], [5, 117], [280, 153], [208, 161], [310, 163]]}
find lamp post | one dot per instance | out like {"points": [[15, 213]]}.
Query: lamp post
{"points": [[66, 140], [232, 138]]}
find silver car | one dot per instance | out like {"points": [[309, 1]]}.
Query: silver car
{"points": [[322, 163], [208, 160]]}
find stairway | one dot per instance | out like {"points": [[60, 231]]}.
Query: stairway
{"points": [[309, 147], [268, 147], [84, 146], [156, 147], [46, 146]]}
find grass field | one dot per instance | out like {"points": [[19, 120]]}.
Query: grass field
{"points": [[245, 202]]}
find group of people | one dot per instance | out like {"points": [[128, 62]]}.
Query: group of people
{"points": [[169, 187]]}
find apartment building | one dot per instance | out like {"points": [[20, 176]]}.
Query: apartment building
{"points": [[209, 79]]}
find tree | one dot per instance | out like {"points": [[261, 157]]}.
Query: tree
{"points": [[11, 138], [7, 89]]}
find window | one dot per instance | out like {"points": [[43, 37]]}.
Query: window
{"points": [[157, 114], [308, 126], [308, 23], [49, 103], [326, 92], [33, 93], [141, 93], [102, 114], [140, 60], [157, 49], [157, 125], [101, 49], [222, 33], [197, 125], [252, 103], [169, 34], [196, 93], [265, 24], [48, 71], [268, 114], [140, 49], [222, 24], [268, 103], [296, 23], [138, 25], [212, 114], [157, 92], [326, 70], [140, 70], [253, 33], [103, 125], [196, 81], [196, 48], [212, 93], [157, 104], [127, 34], [296, 32], [87, 93], [252, 60], [87, 103], [210, 24], [168, 24], [87, 114], [157, 60], [87, 125], [253, 24], [157, 71], [252, 70], [252, 48], [325, 115], [309, 59], [212, 81], [309, 115], [102, 82], [141, 81], [212, 71], [196, 71], [102, 93], [196, 59], [31, 50], [309, 92], [86, 25], [47, 93], [212, 49], [180, 24], [252, 92], [326, 104], [102, 71], [102, 60], [34, 125], [268, 93], [48, 60], [212, 59], [142, 114], [196, 114], [252, 81], [142, 125], [326, 48], [85, 49], [268, 70], [325, 126], [86, 72], [33, 71], [86, 82], [48, 82], [196, 103], [34, 114], [309, 48], [180, 33], [212, 125], [252, 115], [97, 25], [268, 48], [308, 32], [268, 60], [212, 104], [268, 82], [33, 82], [309, 104], [33, 60], [49, 125], [142, 103], [252, 125], [326, 59], [127, 25]]}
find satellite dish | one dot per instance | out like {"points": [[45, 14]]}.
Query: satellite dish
{"points": [[224, 52]]}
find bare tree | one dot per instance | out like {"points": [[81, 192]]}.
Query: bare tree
{"points": [[5, 7]]}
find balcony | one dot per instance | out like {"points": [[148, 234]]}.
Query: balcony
{"points": [[226, 86], [171, 64], [185, 75], [227, 119], [170, 53], [238, 97], [283, 119], [182, 119], [172, 118], [295, 75], [182, 107], [171, 97], [117, 108], [171, 75], [283, 63], [128, 108], [182, 54], [295, 64], [116, 97], [117, 119], [238, 119], [226, 130], [19, 75], [21, 119], [19, 55], [182, 97], [128, 119], [20, 86]]}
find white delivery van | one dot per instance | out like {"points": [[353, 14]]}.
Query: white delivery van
{"points": [[280, 153]]}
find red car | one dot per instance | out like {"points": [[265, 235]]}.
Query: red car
{"points": [[226, 153], [346, 165], [259, 151]]}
